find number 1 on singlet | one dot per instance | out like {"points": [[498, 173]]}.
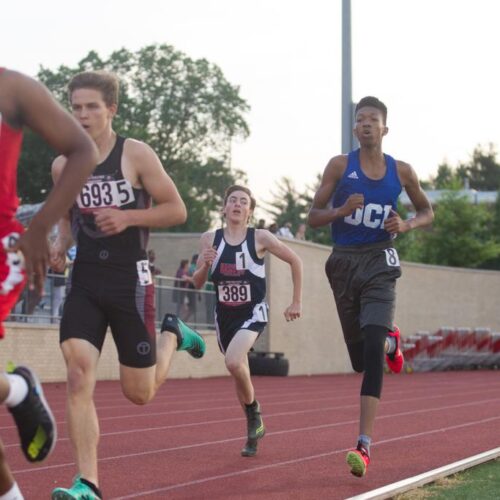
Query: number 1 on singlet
{"points": [[260, 311]]}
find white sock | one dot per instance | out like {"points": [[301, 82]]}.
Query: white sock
{"points": [[391, 342], [13, 494], [18, 390]]}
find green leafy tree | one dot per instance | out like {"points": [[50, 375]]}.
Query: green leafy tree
{"points": [[183, 108], [483, 170], [287, 204], [461, 235], [446, 178]]}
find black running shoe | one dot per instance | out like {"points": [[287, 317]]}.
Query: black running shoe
{"points": [[255, 430], [187, 339], [35, 423]]}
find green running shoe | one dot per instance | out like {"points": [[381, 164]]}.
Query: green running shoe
{"points": [[187, 339], [358, 460], [78, 491], [255, 430]]}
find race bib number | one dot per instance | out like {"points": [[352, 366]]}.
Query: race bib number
{"points": [[392, 257], [234, 294], [260, 311], [105, 194], [144, 273], [241, 261]]}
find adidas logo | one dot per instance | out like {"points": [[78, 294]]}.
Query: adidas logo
{"points": [[353, 175]]}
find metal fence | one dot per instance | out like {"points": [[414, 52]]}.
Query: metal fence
{"points": [[194, 307]]}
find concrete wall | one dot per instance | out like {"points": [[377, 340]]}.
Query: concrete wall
{"points": [[427, 297], [38, 347]]}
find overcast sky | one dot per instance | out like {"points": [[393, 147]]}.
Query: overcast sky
{"points": [[435, 63]]}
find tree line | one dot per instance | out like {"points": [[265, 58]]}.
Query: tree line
{"points": [[189, 113]]}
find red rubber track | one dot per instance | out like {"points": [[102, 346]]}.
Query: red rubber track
{"points": [[186, 443]]}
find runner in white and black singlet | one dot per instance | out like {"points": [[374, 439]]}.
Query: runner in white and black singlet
{"points": [[235, 257], [358, 197], [111, 284]]}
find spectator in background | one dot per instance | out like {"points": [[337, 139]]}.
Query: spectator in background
{"points": [[155, 271], [301, 232], [261, 224], [286, 230], [192, 295], [180, 285], [58, 292], [273, 228]]}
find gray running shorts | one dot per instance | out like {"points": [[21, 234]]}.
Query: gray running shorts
{"points": [[363, 280]]}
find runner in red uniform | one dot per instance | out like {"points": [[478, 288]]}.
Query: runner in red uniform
{"points": [[24, 102]]}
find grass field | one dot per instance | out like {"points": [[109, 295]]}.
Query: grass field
{"points": [[478, 483]]}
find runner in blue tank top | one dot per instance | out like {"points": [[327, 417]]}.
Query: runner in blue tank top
{"points": [[111, 284], [235, 257], [358, 198]]}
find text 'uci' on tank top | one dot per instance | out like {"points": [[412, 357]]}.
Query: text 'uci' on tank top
{"points": [[238, 274], [365, 225], [107, 188]]}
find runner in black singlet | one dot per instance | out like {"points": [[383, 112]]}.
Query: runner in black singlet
{"points": [[111, 283]]}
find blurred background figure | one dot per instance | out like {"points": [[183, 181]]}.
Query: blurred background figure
{"points": [[301, 232], [155, 271], [180, 285], [286, 230], [273, 228]]}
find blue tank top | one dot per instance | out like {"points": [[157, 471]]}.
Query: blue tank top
{"points": [[365, 225]]}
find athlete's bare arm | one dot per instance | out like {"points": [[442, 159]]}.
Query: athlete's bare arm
{"points": [[206, 256], [168, 210], [321, 213], [34, 106], [266, 241], [424, 213]]}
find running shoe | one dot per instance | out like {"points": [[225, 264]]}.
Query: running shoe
{"points": [[78, 491], [255, 430], [187, 339], [358, 460], [34, 420], [395, 361]]}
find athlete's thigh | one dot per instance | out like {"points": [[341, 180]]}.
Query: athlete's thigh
{"points": [[83, 317], [131, 313], [81, 355], [378, 297], [340, 269], [137, 381], [240, 344]]}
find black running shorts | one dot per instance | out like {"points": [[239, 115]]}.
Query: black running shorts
{"points": [[103, 296], [229, 321], [363, 280]]}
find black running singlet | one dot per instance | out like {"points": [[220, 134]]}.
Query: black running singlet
{"points": [[107, 188], [238, 274]]}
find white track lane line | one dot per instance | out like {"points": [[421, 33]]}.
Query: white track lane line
{"points": [[411, 483], [186, 484]]}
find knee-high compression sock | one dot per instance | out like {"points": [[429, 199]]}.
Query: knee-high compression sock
{"points": [[373, 360]]}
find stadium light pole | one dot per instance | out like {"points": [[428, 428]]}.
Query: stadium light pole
{"points": [[348, 141]]}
